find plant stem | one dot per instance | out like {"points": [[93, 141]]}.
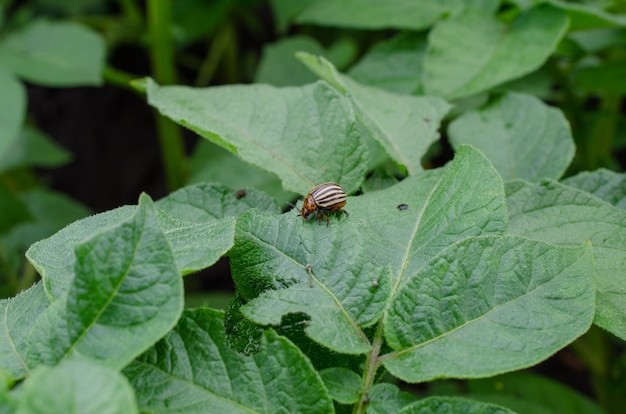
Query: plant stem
{"points": [[162, 58], [371, 367], [118, 78]]}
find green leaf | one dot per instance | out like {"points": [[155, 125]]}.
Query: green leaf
{"points": [[387, 399], [198, 222], [490, 52], [605, 78], [345, 259], [373, 14], [465, 198], [524, 388], [538, 83], [54, 257], [562, 215], [212, 163], [487, 305], [195, 20], [126, 294], [33, 148], [597, 41], [8, 402], [201, 202], [55, 54], [405, 126], [588, 16], [305, 135], [394, 65], [196, 372], [49, 212], [343, 385], [279, 66], [285, 10], [197, 246], [18, 315], [77, 386], [294, 266], [52, 210], [13, 104], [521, 136], [12, 210], [604, 184], [436, 405], [69, 9]]}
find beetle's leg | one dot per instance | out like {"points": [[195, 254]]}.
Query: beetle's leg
{"points": [[322, 215]]}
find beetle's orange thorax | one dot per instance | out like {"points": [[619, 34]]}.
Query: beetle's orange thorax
{"points": [[309, 206]]}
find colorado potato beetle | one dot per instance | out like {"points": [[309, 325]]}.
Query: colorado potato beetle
{"points": [[323, 199]]}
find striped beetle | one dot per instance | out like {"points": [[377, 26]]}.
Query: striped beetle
{"points": [[323, 199]]}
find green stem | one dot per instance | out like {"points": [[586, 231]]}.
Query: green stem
{"points": [[119, 78], [162, 58], [372, 363]]}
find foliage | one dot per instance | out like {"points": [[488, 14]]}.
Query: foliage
{"points": [[472, 270]]}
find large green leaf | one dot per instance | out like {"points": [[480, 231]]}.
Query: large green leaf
{"points": [[521, 136], [196, 372], [398, 14], [559, 214], [405, 126], [126, 294], [12, 109], [305, 135], [55, 54], [335, 274], [487, 305], [77, 386], [472, 52]]}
